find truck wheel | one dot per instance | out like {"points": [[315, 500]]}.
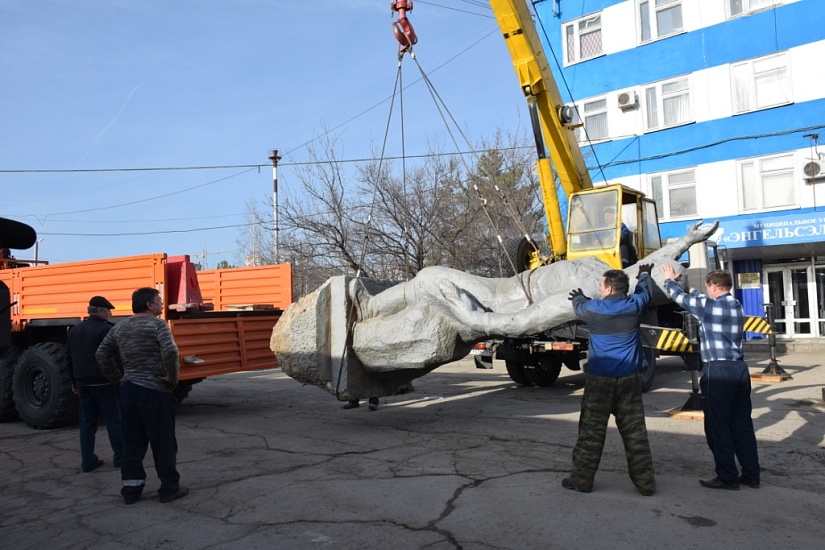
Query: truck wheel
{"points": [[182, 390], [648, 370], [7, 361], [43, 387], [545, 373], [516, 371]]}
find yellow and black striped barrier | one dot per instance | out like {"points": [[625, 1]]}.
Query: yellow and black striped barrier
{"points": [[666, 339], [757, 324], [675, 340]]}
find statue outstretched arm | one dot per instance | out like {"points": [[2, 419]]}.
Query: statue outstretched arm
{"points": [[673, 251], [479, 322]]}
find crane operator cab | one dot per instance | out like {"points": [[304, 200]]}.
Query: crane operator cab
{"points": [[594, 229]]}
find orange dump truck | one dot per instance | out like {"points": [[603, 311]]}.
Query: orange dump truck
{"points": [[221, 319]]}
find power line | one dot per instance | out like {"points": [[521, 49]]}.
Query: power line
{"points": [[477, 4], [165, 232], [249, 167], [713, 144]]}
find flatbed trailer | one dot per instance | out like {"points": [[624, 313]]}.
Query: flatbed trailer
{"points": [[221, 320]]}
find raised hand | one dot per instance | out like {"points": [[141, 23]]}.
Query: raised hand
{"points": [[644, 268]]}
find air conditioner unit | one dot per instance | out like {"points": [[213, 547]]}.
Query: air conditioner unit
{"points": [[628, 100], [814, 169]]}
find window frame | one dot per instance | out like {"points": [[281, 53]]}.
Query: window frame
{"points": [[660, 103], [648, 21], [663, 209], [583, 133], [747, 9], [761, 174], [753, 83], [577, 34]]}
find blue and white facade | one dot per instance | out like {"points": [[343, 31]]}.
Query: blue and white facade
{"points": [[715, 108]]}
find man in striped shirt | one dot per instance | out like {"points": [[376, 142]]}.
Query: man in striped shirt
{"points": [[725, 382], [150, 373]]}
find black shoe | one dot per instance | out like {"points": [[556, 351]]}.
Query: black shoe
{"points": [[567, 484], [131, 494], [717, 483], [373, 403], [352, 404], [181, 492], [94, 466], [745, 481], [648, 492]]}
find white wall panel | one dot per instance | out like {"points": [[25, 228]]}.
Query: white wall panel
{"points": [[808, 71]]}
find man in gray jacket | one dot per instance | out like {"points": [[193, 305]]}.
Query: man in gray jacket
{"points": [[150, 373]]}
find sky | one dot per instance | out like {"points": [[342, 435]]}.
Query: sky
{"points": [[98, 100]]}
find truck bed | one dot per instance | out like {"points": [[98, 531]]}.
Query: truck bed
{"points": [[228, 331]]}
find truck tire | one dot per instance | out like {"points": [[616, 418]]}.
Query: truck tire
{"points": [[7, 361], [545, 373], [182, 390], [516, 371], [648, 370], [43, 388], [518, 251]]}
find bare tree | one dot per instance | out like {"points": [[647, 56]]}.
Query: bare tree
{"points": [[381, 224], [256, 242]]}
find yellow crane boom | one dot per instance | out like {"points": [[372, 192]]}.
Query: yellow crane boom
{"points": [[545, 102]]}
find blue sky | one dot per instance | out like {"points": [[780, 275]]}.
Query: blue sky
{"points": [[89, 85]]}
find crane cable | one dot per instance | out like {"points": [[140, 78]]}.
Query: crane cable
{"points": [[356, 280], [441, 106], [407, 38]]}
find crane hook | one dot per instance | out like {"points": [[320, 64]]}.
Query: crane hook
{"points": [[403, 30]]}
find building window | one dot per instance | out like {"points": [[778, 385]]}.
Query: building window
{"points": [[659, 18], [674, 194], [761, 83], [595, 120], [583, 39], [667, 104], [766, 183], [742, 7]]}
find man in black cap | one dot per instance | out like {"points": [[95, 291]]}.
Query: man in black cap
{"points": [[98, 396]]}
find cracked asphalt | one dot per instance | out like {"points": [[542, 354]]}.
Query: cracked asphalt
{"points": [[469, 460]]}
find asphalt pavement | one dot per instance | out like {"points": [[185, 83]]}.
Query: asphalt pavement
{"points": [[469, 460]]}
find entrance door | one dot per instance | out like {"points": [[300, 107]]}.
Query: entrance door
{"points": [[819, 276], [792, 291]]}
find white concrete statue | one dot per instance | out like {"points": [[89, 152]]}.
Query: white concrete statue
{"points": [[359, 337]]}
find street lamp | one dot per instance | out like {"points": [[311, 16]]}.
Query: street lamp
{"points": [[275, 158]]}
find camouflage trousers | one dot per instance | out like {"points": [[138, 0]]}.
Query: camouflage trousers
{"points": [[621, 397]]}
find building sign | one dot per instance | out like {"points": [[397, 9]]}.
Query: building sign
{"points": [[762, 230], [748, 280]]}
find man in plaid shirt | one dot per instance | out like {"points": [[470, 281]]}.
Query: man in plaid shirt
{"points": [[725, 382]]}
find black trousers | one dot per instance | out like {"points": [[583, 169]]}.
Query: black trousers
{"points": [[726, 402], [148, 419]]}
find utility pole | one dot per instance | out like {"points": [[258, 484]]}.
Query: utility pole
{"points": [[36, 248], [275, 158]]}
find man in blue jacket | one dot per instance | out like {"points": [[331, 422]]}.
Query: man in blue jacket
{"points": [[612, 385], [98, 396]]}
